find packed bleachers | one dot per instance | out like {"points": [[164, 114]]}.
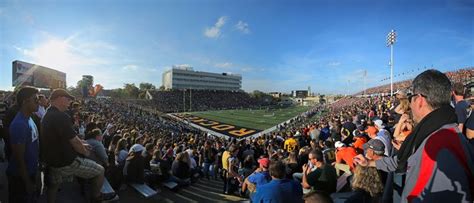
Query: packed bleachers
{"points": [[199, 100], [330, 137], [462, 75]]}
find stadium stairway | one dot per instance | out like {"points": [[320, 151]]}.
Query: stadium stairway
{"points": [[201, 191]]}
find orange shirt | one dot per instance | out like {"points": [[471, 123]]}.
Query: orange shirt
{"points": [[347, 154], [360, 141], [371, 131]]}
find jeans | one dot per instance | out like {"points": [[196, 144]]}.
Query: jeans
{"points": [[298, 177], [224, 177], [208, 168]]}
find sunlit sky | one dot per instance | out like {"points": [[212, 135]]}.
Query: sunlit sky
{"points": [[274, 45]]}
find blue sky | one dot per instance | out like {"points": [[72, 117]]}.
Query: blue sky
{"points": [[274, 45]]}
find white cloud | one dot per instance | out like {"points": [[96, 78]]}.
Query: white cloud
{"points": [[130, 67], [221, 21], [334, 63], [242, 27], [215, 31], [224, 65]]}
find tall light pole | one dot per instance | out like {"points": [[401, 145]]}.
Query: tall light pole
{"points": [[365, 86], [184, 100], [391, 37]]}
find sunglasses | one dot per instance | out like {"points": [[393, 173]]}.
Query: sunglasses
{"points": [[412, 95]]}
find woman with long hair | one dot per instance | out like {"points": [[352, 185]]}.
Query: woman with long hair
{"points": [[181, 169], [367, 185], [121, 152]]}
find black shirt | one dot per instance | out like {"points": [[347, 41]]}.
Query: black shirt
{"points": [[136, 170], [349, 126], [56, 131], [323, 179], [462, 110]]}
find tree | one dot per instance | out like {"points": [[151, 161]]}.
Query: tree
{"points": [[118, 93], [131, 90], [162, 88], [146, 86]]}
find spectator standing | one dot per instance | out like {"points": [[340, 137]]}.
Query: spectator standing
{"points": [[469, 128], [22, 168], [384, 136], [209, 158], [290, 143], [43, 104], [461, 106]]}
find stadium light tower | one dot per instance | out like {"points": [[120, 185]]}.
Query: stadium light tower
{"points": [[391, 37]]}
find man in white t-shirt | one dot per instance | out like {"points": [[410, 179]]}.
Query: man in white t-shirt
{"points": [[43, 104]]}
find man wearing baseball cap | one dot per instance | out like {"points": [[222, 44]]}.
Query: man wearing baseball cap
{"points": [[259, 177], [384, 136], [374, 149], [63, 151]]}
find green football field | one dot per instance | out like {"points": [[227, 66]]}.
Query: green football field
{"points": [[256, 119]]}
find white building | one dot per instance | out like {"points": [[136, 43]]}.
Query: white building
{"points": [[180, 77]]}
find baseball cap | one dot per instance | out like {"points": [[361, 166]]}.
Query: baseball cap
{"points": [[137, 148], [375, 144], [379, 124], [60, 93], [339, 144], [264, 162]]}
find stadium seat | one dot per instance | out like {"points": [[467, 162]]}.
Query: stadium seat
{"points": [[144, 190], [170, 185], [109, 191], [106, 188]]}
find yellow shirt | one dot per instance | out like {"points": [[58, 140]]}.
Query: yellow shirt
{"points": [[225, 163], [290, 144]]}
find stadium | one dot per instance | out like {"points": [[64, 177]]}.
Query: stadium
{"points": [[178, 103]]}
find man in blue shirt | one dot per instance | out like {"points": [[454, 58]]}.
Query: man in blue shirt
{"points": [[23, 164], [279, 189], [258, 177]]}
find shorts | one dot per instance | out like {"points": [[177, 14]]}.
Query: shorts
{"points": [[80, 167]]}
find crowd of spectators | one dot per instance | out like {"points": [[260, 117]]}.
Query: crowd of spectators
{"points": [[461, 76], [366, 142], [199, 100]]}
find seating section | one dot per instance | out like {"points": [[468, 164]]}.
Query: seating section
{"points": [[199, 100]]}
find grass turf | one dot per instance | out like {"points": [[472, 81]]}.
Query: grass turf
{"points": [[256, 119]]}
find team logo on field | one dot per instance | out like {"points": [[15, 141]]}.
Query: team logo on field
{"points": [[223, 128]]}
